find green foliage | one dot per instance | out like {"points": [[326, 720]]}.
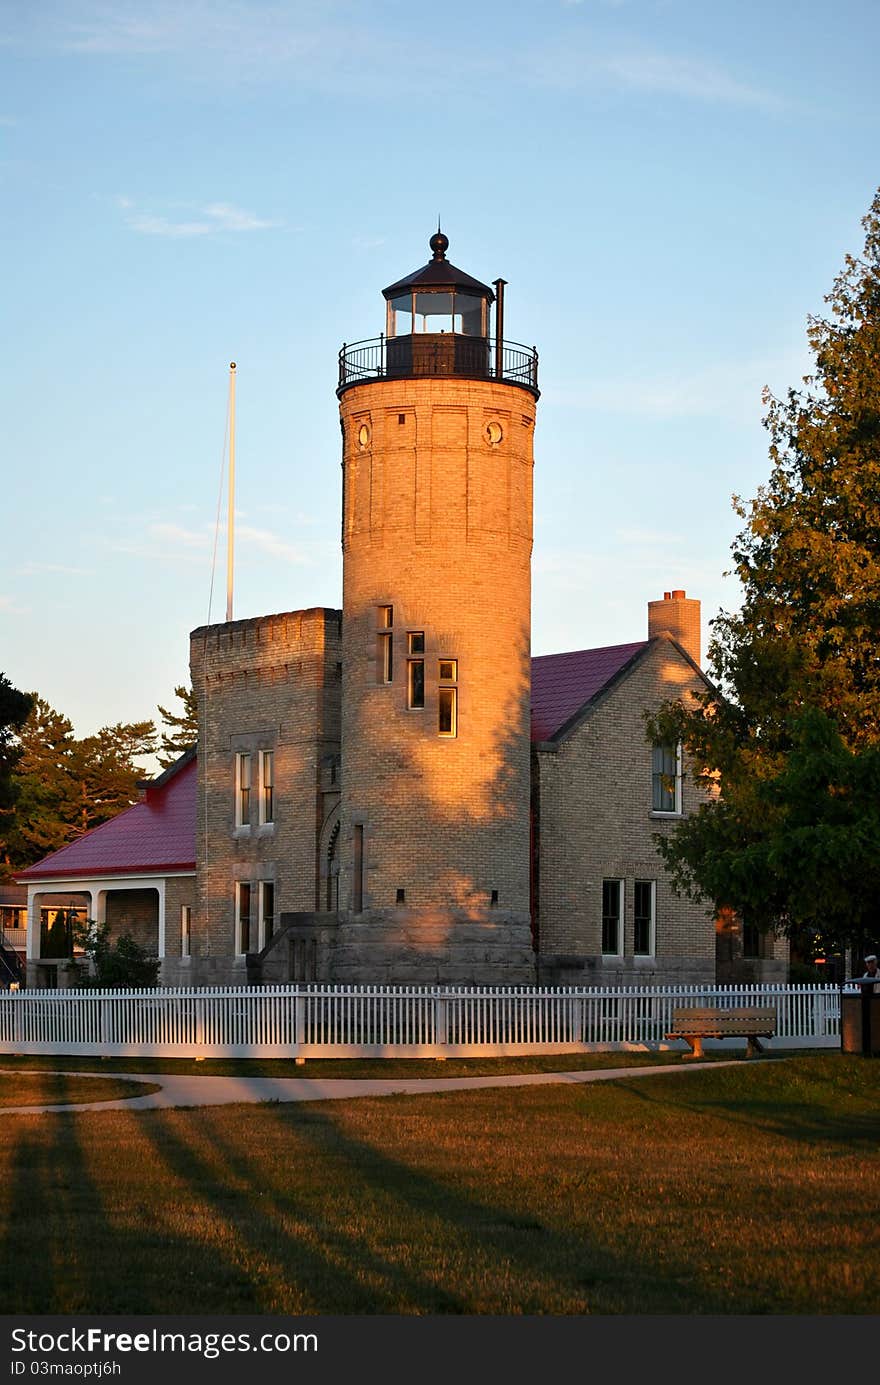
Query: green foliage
{"points": [[119, 963], [15, 707], [66, 786], [182, 729], [791, 743]]}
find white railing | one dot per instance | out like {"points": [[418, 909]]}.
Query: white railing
{"points": [[388, 1021]]}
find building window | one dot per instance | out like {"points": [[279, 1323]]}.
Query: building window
{"points": [[357, 894], [752, 940], [243, 916], [666, 779], [185, 929], [267, 912], [384, 644], [242, 790], [415, 670], [267, 786], [415, 684], [644, 923], [12, 918], [447, 697], [612, 917]]}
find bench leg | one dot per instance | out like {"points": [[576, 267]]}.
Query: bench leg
{"points": [[696, 1043], [754, 1047]]}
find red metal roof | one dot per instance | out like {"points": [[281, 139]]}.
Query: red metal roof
{"points": [[563, 683], [158, 834]]}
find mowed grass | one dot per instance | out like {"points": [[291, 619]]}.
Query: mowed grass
{"points": [[362, 1067], [747, 1189], [46, 1088]]}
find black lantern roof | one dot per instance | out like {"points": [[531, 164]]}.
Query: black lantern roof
{"points": [[439, 274]]}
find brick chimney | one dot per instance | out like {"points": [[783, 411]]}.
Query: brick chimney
{"points": [[679, 616]]}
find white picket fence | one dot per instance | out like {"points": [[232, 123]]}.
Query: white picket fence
{"points": [[388, 1021]]}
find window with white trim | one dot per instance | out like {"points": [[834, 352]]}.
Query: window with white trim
{"points": [[415, 670], [242, 790], [267, 912], [644, 917], [447, 697], [185, 929], [384, 644], [267, 787], [243, 893], [612, 918], [666, 779]]}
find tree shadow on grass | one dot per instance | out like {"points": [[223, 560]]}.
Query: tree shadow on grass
{"points": [[63, 1248], [562, 1271], [821, 1120]]}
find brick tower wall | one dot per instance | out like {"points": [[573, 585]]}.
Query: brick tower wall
{"points": [[271, 683], [437, 524]]}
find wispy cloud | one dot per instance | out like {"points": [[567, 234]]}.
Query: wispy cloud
{"points": [[685, 77], [30, 569], [9, 606], [266, 542], [169, 540], [332, 46], [209, 220]]}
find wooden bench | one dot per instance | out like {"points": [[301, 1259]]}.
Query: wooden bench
{"points": [[700, 1022]]}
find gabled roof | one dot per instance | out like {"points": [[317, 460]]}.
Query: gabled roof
{"points": [[562, 684], [153, 836]]}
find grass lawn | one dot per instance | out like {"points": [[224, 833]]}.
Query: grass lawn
{"points": [[748, 1189], [36, 1089], [358, 1067]]}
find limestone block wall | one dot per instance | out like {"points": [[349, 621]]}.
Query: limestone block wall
{"points": [[272, 683], [437, 526], [595, 822]]}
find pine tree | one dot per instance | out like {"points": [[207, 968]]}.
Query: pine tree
{"points": [[798, 665], [182, 729], [15, 707]]}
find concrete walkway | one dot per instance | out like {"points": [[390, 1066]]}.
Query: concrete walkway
{"points": [[226, 1091]]}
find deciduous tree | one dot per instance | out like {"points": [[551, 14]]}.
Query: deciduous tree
{"points": [[791, 740]]}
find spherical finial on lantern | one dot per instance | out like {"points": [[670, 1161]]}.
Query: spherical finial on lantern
{"points": [[439, 244]]}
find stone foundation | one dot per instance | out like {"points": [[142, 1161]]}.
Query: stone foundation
{"points": [[586, 970], [433, 947]]}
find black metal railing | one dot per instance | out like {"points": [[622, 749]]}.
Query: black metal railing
{"points": [[444, 354]]}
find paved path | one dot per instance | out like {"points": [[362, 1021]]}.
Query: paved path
{"points": [[225, 1091]]}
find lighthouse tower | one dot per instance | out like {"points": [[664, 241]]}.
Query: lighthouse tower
{"points": [[438, 418]]}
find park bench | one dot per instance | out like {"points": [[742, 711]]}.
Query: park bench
{"points": [[700, 1022]]}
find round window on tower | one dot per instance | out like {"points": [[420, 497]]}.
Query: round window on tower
{"points": [[494, 433], [364, 435]]}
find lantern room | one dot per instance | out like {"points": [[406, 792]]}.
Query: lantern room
{"points": [[437, 322]]}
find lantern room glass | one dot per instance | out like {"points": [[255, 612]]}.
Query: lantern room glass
{"points": [[437, 313]]}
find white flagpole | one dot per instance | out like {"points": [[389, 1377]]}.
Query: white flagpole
{"points": [[230, 528]]}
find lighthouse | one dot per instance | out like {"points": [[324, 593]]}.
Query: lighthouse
{"points": [[438, 420]]}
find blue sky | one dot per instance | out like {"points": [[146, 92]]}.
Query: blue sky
{"points": [[668, 186]]}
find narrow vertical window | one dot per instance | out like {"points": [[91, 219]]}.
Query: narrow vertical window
{"points": [[243, 916], [267, 912], [644, 922], [447, 697], [612, 916], [357, 896], [185, 929], [242, 790], [415, 670], [666, 779], [385, 644], [267, 786]]}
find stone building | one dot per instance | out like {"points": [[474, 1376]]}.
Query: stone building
{"points": [[397, 792]]}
